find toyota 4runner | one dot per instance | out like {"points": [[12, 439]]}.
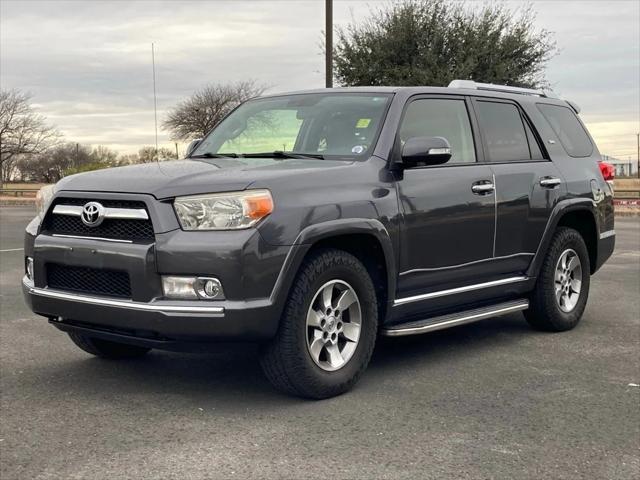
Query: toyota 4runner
{"points": [[313, 222]]}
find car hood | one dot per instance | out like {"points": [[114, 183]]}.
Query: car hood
{"points": [[192, 176]]}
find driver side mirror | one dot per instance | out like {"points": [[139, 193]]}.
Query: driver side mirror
{"points": [[192, 146], [426, 150]]}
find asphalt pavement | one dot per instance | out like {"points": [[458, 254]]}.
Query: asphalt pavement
{"points": [[493, 399]]}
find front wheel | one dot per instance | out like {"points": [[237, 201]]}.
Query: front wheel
{"points": [[328, 328], [562, 289]]}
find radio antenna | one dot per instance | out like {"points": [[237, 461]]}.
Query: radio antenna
{"points": [[155, 100]]}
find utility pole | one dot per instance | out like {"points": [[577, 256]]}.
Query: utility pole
{"points": [[328, 31], [637, 153]]}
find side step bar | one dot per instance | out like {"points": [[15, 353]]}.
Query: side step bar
{"points": [[454, 319]]}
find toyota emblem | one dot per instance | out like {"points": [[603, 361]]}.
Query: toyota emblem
{"points": [[92, 214]]}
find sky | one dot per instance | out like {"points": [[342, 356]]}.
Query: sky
{"points": [[88, 63]]}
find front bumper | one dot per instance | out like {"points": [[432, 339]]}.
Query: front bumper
{"points": [[250, 269], [156, 321]]}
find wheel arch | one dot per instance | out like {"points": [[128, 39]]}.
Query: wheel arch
{"points": [[577, 214], [366, 239]]}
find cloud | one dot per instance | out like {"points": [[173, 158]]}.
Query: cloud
{"points": [[88, 64]]}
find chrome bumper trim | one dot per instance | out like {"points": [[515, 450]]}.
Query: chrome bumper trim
{"points": [[102, 239], [166, 309], [453, 291]]}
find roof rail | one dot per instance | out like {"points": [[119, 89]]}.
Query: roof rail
{"points": [[499, 88]]}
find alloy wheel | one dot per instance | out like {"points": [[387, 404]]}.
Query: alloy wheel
{"points": [[334, 321], [568, 280]]}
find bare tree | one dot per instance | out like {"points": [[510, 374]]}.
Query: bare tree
{"points": [[66, 159], [104, 155], [55, 163], [149, 155], [197, 115], [23, 132]]}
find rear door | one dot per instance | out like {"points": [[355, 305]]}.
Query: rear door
{"points": [[528, 185]]}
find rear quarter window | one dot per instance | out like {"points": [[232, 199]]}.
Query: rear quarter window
{"points": [[569, 130]]}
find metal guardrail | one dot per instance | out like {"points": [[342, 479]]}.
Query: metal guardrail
{"points": [[626, 193]]}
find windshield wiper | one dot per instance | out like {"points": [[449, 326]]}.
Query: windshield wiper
{"points": [[282, 154], [215, 155]]}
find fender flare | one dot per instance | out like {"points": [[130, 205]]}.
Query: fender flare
{"points": [[320, 231], [563, 207]]}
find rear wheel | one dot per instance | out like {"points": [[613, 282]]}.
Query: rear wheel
{"points": [[328, 329], [105, 348], [562, 289]]}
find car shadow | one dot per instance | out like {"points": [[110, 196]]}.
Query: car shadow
{"points": [[230, 377]]}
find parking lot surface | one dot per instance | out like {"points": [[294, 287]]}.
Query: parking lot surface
{"points": [[493, 399]]}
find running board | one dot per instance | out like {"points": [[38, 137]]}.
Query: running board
{"points": [[454, 319]]}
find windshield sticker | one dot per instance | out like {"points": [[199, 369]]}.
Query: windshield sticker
{"points": [[358, 149], [363, 123]]}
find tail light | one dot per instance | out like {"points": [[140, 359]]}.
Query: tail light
{"points": [[608, 173], [607, 170]]}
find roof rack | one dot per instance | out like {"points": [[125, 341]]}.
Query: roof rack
{"points": [[499, 88]]}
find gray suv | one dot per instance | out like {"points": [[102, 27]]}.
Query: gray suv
{"points": [[312, 222]]}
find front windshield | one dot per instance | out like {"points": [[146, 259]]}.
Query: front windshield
{"points": [[327, 125]]}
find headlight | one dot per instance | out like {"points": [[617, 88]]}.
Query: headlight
{"points": [[223, 211], [43, 199]]}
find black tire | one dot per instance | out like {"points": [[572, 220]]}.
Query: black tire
{"points": [[286, 360], [544, 311], [105, 349]]}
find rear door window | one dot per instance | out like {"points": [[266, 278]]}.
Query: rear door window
{"points": [[566, 126], [504, 132]]}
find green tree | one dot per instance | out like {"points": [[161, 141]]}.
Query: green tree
{"points": [[431, 42]]}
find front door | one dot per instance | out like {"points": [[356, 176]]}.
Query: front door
{"points": [[448, 211]]}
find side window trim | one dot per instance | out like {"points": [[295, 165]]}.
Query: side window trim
{"points": [[530, 127], [475, 132], [526, 122]]}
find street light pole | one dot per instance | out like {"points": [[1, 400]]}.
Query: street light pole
{"points": [[328, 65]]}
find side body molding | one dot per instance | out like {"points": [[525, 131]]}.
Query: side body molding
{"points": [[563, 207], [334, 228]]}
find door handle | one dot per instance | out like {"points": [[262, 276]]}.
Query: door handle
{"points": [[550, 182], [482, 188]]}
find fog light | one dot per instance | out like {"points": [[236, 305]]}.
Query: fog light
{"points": [[190, 288], [29, 268], [208, 287]]}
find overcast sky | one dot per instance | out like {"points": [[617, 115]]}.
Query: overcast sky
{"points": [[88, 63]]}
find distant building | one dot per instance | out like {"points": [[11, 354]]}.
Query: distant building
{"points": [[624, 168]]}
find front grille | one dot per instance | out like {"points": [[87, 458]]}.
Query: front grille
{"points": [[120, 229], [112, 283], [109, 228]]}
